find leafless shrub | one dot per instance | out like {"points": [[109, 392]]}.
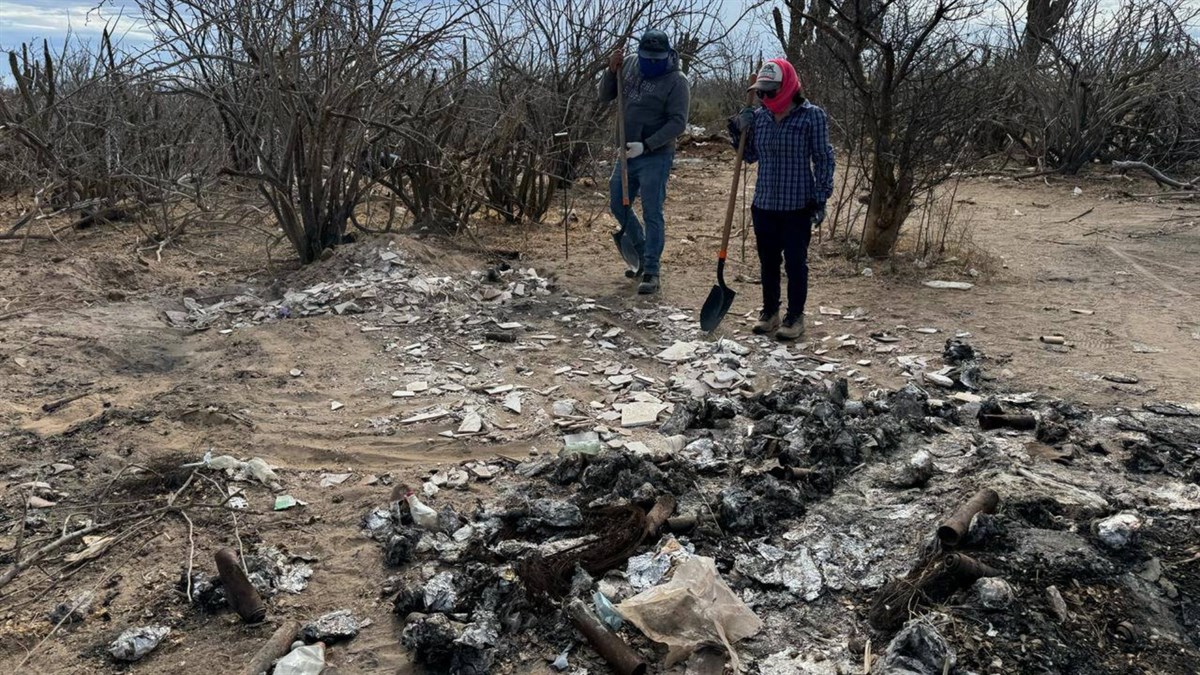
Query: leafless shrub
{"points": [[1087, 79]]}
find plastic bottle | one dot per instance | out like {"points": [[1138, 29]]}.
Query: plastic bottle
{"points": [[422, 515], [306, 660]]}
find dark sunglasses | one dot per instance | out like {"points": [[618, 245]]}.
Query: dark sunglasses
{"points": [[764, 93]]}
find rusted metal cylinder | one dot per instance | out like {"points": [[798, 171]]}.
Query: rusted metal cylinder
{"points": [[791, 472], [953, 529], [664, 506], [239, 591], [999, 421], [609, 645], [967, 569]]}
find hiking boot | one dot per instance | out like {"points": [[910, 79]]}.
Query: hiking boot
{"points": [[767, 323], [791, 328], [649, 284]]}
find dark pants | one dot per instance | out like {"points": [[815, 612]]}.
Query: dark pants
{"points": [[782, 236]]}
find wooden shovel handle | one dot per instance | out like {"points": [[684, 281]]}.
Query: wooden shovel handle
{"points": [[621, 152], [737, 175]]}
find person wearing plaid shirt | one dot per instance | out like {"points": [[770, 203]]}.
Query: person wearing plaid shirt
{"points": [[789, 139]]}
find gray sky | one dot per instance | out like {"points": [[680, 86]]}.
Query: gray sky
{"points": [[29, 20]]}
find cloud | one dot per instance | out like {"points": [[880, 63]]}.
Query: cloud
{"points": [[56, 19]]}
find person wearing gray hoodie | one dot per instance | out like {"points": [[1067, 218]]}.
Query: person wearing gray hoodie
{"points": [[656, 111]]}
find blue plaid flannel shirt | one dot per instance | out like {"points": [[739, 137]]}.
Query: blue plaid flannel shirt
{"points": [[795, 159]]}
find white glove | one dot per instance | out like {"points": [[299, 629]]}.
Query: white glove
{"points": [[634, 149]]}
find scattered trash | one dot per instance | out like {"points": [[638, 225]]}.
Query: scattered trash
{"points": [[952, 285], [916, 472], [994, 593], [587, 443], [241, 595], [332, 479], [918, 649], [560, 663], [422, 515], [336, 405], [135, 643], [694, 608], [74, 610], [614, 650], [1053, 339], [303, 660], [1121, 378], [285, 502], [1119, 531], [331, 627], [606, 611], [954, 529], [255, 468]]}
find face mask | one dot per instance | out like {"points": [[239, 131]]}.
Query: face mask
{"points": [[653, 67]]}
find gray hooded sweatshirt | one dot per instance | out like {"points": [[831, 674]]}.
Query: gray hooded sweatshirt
{"points": [[656, 109]]}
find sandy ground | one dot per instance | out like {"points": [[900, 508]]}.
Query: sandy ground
{"points": [[85, 315]]}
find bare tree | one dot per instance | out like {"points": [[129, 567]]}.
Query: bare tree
{"points": [[911, 71], [306, 90]]}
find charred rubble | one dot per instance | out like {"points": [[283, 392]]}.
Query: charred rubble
{"points": [[984, 554]]}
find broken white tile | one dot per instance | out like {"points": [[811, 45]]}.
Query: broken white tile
{"points": [[864, 362], [513, 402], [927, 331], [640, 414], [613, 332], [680, 351], [295, 372], [501, 389], [336, 405], [939, 379], [678, 317], [510, 325], [620, 380], [637, 447], [418, 387], [953, 285], [437, 413], [830, 311], [472, 423], [826, 367]]}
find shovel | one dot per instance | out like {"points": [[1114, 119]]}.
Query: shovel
{"points": [[628, 251], [720, 298]]}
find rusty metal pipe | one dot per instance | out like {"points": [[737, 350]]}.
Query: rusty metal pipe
{"points": [[968, 569], [609, 645], [239, 591], [1010, 421], [664, 506], [953, 529], [791, 472]]}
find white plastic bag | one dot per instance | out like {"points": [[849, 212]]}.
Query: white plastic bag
{"points": [[693, 609]]}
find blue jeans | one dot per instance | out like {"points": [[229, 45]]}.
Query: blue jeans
{"points": [[648, 178]]}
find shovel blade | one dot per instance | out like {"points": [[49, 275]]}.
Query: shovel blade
{"points": [[628, 251], [716, 306]]}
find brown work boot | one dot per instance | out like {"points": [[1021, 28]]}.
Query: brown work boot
{"points": [[767, 323], [791, 328]]}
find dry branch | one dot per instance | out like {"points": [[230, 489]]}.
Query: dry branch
{"points": [[1158, 176]]}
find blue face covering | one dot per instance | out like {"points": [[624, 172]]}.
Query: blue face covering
{"points": [[653, 67]]}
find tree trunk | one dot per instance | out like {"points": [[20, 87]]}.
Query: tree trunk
{"points": [[887, 211]]}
